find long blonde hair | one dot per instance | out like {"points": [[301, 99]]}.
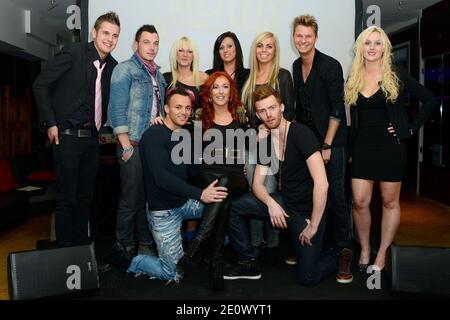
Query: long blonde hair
{"points": [[355, 82], [184, 42], [250, 84]]}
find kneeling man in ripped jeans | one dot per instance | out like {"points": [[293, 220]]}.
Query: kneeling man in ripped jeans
{"points": [[170, 198]]}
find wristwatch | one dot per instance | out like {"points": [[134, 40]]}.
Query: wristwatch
{"points": [[326, 146]]}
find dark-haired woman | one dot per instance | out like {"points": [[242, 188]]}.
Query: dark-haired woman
{"points": [[228, 58]]}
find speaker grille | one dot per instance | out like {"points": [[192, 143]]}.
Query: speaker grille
{"points": [[421, 269], [41, 273]]}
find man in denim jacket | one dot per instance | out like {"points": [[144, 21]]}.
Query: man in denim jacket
{"points": [[137, 98]]}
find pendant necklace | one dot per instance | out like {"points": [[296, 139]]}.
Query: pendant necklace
{"points": [[282, 154]]}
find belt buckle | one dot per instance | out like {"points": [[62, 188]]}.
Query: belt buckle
{"points": [[83, 133], [227, 153], [236, 154]]}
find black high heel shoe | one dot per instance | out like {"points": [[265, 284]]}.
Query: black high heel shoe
{"points": [[362, 267]]}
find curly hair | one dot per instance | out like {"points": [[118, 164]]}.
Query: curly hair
{"points": [[390, 85], [207, 104]]}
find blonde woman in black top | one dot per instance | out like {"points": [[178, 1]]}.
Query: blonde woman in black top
{"points": [[374, 92]]}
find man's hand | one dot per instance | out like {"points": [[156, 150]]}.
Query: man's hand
{"points": [[277, 215], [326, 155], [307, 234], [52, 134], [127, 152], [213, 194]]}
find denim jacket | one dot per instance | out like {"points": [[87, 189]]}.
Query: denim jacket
{"points": [[131, 98]]}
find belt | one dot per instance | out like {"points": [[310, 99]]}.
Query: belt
{"points": [[80, 133]]}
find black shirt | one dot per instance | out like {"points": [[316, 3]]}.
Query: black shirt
{"points": [[304, 113], [325, 96], [296, 181], [165, 182], [227, 153]]}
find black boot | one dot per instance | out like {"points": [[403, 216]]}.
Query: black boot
{"points": [[117, 256], [197, 247], [215, 276], [191, 257]]}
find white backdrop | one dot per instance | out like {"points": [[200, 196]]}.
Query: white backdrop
{"points": [[204, 20]]}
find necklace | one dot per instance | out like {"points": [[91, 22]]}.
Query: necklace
{"points": [[232, 74], [282, 153]]}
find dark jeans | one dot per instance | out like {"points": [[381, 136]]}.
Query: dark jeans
{"points": [[313, 264], [131, 216], [338, 202], [214, 223], [76, 163]]}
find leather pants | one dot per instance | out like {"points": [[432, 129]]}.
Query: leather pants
{"points": [[213, 227]]}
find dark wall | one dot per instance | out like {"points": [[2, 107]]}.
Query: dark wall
{"points": [[18, 73], [410, 36], [435, 42], [435, 29]]}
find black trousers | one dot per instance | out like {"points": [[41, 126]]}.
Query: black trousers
{"points": [[132, 225], [76, 162], [314, 264], [338, 202]]}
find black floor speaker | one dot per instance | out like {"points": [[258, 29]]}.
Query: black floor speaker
{"points": [[43, 273], [421, 270]]}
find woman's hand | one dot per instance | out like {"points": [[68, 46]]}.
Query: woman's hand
{"points": [[262, 132], [326, 155], [157, 120], [392, 130]]}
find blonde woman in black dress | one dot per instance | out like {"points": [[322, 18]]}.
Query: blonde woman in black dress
{"points": [[374, 92]]}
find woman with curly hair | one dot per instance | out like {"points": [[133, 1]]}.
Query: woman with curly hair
{"points": [[374, 91], [222, 161]]}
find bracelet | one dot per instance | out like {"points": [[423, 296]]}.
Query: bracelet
{"points": [[326, 146], [129, 149]]}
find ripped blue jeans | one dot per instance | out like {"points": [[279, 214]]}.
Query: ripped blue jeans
{"points": [[165, 226]]}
